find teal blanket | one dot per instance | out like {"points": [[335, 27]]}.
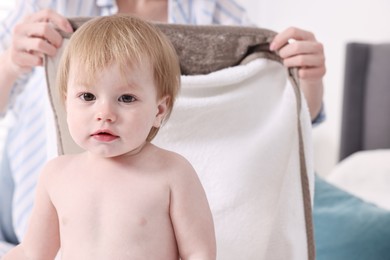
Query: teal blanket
{"points": [[348, 228]]}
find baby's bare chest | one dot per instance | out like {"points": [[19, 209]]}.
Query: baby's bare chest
{"points": [[128, 216], [116, 203]]}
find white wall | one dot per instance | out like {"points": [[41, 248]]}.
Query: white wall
{"points": [[335, 23]]}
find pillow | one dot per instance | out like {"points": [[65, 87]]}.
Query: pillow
{"points": [[365, 174], [348, 228]]}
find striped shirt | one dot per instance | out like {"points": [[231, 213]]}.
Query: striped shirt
{"points": [[22, 106]]}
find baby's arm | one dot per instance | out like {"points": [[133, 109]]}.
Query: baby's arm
{"points": [[42, 237], [191, 216]]}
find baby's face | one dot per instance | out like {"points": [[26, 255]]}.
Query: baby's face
{"points": [[114, 115]]}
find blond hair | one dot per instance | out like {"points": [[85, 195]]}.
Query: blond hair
{"points": [[124, 40]]}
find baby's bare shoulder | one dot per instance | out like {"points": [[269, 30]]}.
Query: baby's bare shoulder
{"points": [[173, 160], [176, 166], [58, 165], [60, 161]]}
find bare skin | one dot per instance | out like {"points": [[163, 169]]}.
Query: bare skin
{"points": [[153, 10], [141, 210], [144, 195], [123, 198]]}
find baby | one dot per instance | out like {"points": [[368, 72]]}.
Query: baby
{"points": [[123, 198]]}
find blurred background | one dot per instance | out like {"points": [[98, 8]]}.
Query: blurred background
{"points": [[335, 23], [5, 7]]}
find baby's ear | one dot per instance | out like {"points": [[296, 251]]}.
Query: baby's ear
{"points": [[162, 110]]}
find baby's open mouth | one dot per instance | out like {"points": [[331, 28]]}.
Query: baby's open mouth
{"points": [[104, 133], [105, 136]]}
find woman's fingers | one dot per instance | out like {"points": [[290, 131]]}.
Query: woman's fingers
{"points": [[299, 48], [37, 36], [50, 16]]}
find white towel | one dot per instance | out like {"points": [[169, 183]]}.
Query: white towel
{"points": [[238, 127]]}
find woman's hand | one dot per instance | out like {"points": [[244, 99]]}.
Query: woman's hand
{"points": [[34, 37], [299, 48]]}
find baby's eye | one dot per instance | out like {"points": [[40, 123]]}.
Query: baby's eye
{"points": [[87, 96], [126, 98]]}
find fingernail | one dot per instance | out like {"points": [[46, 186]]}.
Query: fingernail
{"points": [[69, 28]]}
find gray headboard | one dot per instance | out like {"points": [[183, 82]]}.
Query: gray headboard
{"points": [[366, 101]]}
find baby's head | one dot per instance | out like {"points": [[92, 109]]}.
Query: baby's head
{"points": [[126, 41]]}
